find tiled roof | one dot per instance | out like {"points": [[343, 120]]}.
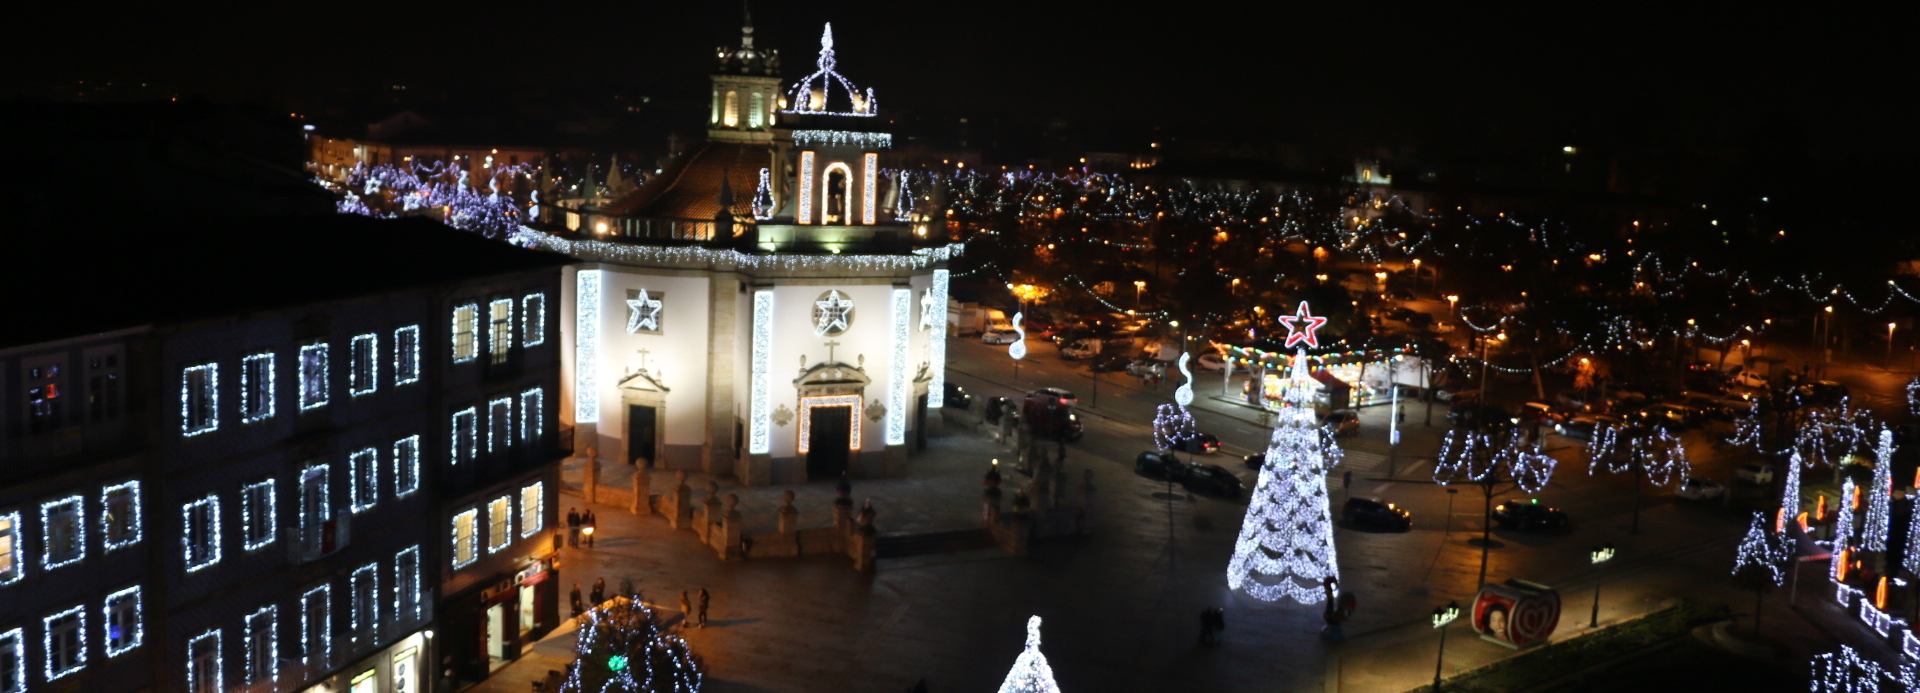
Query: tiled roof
{"points": [[690, 187]]}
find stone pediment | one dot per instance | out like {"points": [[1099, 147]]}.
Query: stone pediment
{"points": [[644, 381], [832, 377]]}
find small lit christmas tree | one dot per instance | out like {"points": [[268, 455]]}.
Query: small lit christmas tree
{"points": [[621, 649], [1030, 673], [1756, 563], [1286, 546], [1880, 497]]}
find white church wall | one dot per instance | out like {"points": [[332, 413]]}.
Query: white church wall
{"points": [[796, 336], [676, 355]]}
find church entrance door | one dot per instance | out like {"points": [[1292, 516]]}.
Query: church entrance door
{"points": [[642, 433], [827, 451]]}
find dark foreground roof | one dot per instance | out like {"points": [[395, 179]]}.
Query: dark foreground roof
{"points": [[95, 274], [690, 187]]}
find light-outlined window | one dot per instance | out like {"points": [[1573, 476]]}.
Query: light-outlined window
{"points": [[466, 436], [533, 510], [263, 645], [316, 505], [499, 425], [406, 466], [256, 387], [203, 663], [466, 332], [63, 642], [313, 376], [124, 627], [499, 524], [13, 549], [120, 516], [63, 526], [259, 515], [466, 538], [363, 365], [499, 330], [363, 467], [533, 319], [406, 355], [365, 588], [200, 533], [13, 661], [406, 583], [199, 399], [316, 626], [533, 409]]}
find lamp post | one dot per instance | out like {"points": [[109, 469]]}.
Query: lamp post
{"points": [[1416, 274], [1890, 346], [1600, 554], [1138, 287], [1441, 617], [1453, 304]]}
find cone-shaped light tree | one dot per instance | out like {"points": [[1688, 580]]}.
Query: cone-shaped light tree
{"points": [[1756, 564], [622, 650], [1030, 673], [1286, 543]]}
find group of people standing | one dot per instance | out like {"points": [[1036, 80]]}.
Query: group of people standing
{"points": [[689, 617], [579, 524]]}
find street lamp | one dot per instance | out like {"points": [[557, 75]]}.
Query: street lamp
{"points": [[1416, 274], [1138, 286], [1453, 303], [1599, 555], [1441, 617], [1889, 346]]}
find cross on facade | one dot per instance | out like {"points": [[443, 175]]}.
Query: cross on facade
{"points": [[643, 360], [830, 345]]}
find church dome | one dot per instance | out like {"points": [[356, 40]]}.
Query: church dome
{"points": [[826, 92], [748, 60]]}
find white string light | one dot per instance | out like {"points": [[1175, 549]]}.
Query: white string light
{"points": [[933, 318], [257, 404], [363, 469], [363, 373], [1285, 548], [1880, 497], [313, 376], [759, 415], [47, 635], [130, 595], [217, 673], [1759, 551], [76, 507], [1031, 673], [406, 466], [842, 138], [729, 260], [271, 657], [586, 347], [210, 524], [406, 355], [898, 385], [199, 399], [264, 490], [134, 528]]}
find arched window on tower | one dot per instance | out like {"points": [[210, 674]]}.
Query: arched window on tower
{"points": [[759, 107], [730, 115]]}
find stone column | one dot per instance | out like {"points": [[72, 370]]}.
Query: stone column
{"points": [[861, 543], [590, 476], [642, 492], [729, 530], [682, 501], [710, 510], [789, 517]]}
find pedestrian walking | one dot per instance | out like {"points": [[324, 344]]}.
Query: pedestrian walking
{"points": [[686, 608], [587, 527], [577, 608], [573, 528], [599, 591], [704, 598]]}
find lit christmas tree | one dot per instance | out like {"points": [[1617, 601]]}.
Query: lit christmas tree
{"points": [[620, 649], [1286, 543], [1759, 554], [1880, 497], [1030, 673], [1790, 494]]}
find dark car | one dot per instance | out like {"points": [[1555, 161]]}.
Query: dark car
{"points": [[1672, 417], [1255, 460], [1198, 443], [1161, 465], [1402, 313], [1529, 514], [1109, 363], [996, 407], [1477, 415], [1376, 515], [1582, 427], [1823, 392], [958, 397], [1213, 479]]}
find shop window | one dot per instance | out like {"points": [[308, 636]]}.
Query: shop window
{"points": [[499, 524], [406, 466], [124, 629], [466, 328], [259, 515], [533, 509], [533, 319], [466, 539], [256, 388], [64, 640], [203, 663], [406, 355], [363, 365], [263, 647], [65, 541], [313, 376], [200, 538], [120, 516], [200, 399]]}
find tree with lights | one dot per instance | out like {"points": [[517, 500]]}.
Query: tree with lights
{"points": [[1790, 491], [1474, 457], [1285, 548], [1651, 454], [1756, 563], [1031, 673], [1880, 497], [622, 650]]}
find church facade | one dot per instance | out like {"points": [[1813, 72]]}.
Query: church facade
{"points": [[769, 306]]}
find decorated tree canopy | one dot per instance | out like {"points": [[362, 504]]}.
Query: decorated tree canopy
{"points": [[1030, 673], [1759, 556], [621, 649]]}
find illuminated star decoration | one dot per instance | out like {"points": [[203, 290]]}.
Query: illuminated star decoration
{"points": [[831, 314], [1304, 331], [645, 313]]}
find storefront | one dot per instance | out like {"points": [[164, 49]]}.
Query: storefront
{"points": [[1348, 379], [396, 669], [488, 626]]}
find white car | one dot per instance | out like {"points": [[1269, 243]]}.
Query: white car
{"points": [[1211, 362], [1700, 489], [999, 336], [1758, 474]]}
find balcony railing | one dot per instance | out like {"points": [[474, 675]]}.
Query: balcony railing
{"points": [[595, 224]]}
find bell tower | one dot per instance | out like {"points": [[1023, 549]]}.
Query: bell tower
{"points": [[746, 91]]}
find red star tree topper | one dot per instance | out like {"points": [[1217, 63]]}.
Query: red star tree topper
{"points": [[1303, 331]]}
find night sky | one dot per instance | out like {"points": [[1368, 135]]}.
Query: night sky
{"points": [[1366, 72]]}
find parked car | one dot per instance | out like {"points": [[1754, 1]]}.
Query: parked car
{"points": [[1081, 348], [1443, 327], [1419, 320], [1401, 313], [1162, 465], [1529, 514], [999, 336], [1451, 394], [1109, 363], [996, 407], [1541, 413], [1255, 460], [1756, 473], [1823, 393], [1049, 407], [958, 397], [1673, 417], [1401, 294], [1375, 515], [1145, 367], [1699, 489], [1582, 427], [1210, 361], [1343, 422], [1213, 479], [1489, 416], [1199, 443]]}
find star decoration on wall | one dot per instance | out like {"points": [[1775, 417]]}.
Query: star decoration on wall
{"points": [[644, 313], [1303, 332], [832, 314], [928, 307]]}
